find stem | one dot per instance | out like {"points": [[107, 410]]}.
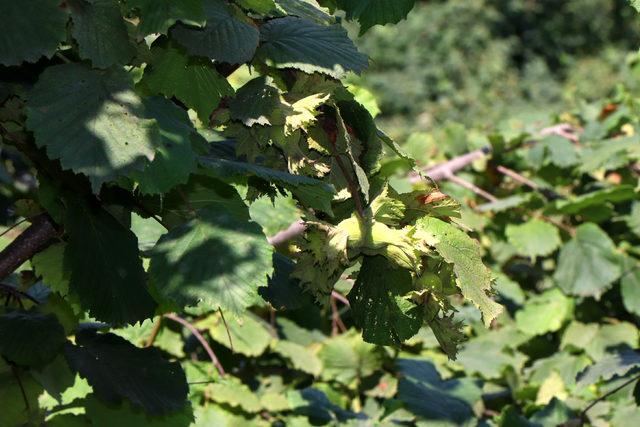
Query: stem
{"points": [[470, 186], [226, 326], [201, 339], [354, 189], [583, 414], [24, 394], [338, 296], [154, 332]]}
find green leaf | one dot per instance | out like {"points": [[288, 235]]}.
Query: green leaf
{"points": [[255, 102], [30, 29], [534, 238], [614, 365], [92, 121], [218, 259], [544, 313], [374, 12], [633, 219], [235, 394], [174, 159], [259, 6], [346, 358], [292, 42], [228, 36], [194, 82], [302, 358], [116, 369], [588, 264], [49, 265], [473, 278], [636, 4], [30, 338], [597, 340], [105, 270], [156, 16], [491, 354], [311, 192], [124, 415], [101, 32], [425, 394], [616, 194], [308, 9], [249, 336], [14, 394], [630, 286], [380, 303]]}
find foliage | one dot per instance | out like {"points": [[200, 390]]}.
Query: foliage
{"points": [[149, 161], [139, 151]]}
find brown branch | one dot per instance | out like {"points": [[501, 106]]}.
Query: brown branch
{"points": [[517, 177], [38, 236], [443, 170], [201, 339], [338, 296], [295, 229], [336, 320], [470, 186]]}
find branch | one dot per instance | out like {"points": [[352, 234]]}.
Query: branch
{"points": [[40, 234], [583, 414], [470, 186], [201, 339], [448, 168], [295, 229]]}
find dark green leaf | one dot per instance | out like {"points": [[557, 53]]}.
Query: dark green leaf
{"points": [[297, 43], [228, 35], [373, 12], [425, 394], [174, 159], [30, 338], [92, 121], [311, 192], [381, 305], [105, 269], [156, 16], [101, 32], [30, 29], [218, 259], [255, 102], [116, 369], [195, 83]]}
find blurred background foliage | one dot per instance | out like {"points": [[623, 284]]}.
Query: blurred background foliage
{"points": [[480, 63]]}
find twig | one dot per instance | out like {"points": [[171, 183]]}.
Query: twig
{"points": [[448, 168], [38, 236], [470, 186], [517, 177], [154, 332], [226, 326], [564, 130], [295, 229], [14, 370], [337, 295], [336, 320], [583, 414], [63, 58], [201, 339]]}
